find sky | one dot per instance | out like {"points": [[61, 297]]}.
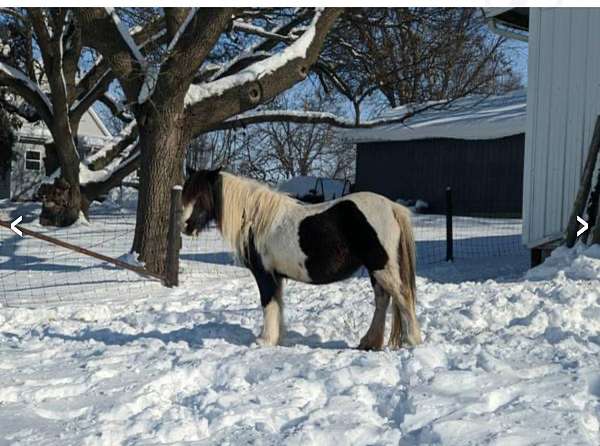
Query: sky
{"points": [[518, 53]]}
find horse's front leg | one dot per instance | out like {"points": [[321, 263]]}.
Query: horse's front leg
{"points": [[271, 289]]}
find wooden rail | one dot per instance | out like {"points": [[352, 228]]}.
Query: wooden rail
{"points": [[87, 252]]}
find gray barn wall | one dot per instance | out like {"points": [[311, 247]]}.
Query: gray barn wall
{"points": [[486, 175], [563, 101]]}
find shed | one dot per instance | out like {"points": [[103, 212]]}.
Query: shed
{"points": [[562, 106], [35, 158], [474, 145]]}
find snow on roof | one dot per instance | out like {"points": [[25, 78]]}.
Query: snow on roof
{"points": [[471, 117], [92, 130], [301, 185]]}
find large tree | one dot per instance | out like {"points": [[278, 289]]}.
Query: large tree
{"points": [[196, 84]]}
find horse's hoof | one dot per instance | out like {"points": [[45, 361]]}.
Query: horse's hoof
{"points": [[263, 342], [369, 347]]}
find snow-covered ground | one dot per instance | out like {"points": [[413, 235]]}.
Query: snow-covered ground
{"points": [[509, 361]]}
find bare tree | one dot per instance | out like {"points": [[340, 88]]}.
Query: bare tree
{"points": [[414, 55], [276, 151]]}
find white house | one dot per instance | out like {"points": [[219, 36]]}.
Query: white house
{"points": [[563, 102], [32, 160]]}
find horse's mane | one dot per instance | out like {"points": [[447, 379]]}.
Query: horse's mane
{"points": [[248, 205]]}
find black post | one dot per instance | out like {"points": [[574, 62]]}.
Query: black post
{"points": [[174, 239], [449, 241]]}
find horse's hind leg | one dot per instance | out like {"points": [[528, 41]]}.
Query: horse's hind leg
{"points": [[405, 327], [373, 339]]}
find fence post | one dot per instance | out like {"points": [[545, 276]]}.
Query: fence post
{"points": [[449, 240], [174, 239]]}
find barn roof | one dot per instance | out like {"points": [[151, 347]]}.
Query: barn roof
{"points": [[471, 117]]}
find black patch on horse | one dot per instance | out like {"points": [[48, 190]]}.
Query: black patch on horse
{"points": [[338, 241], [267, 282]]}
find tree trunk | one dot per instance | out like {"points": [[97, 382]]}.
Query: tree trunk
{"points": [[62, 201], [162, 140]]}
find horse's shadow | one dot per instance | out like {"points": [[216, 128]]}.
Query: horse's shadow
{"points": [[195, 336], [293, 338]]}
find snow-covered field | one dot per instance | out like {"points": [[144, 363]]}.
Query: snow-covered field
{"points": [[509, 361]]}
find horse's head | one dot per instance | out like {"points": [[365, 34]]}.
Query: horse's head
{"points": [[199, 200]]}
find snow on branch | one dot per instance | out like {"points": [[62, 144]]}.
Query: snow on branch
{"points": [[238, 63], [327, 118], [126, 156], [126, 35], [299, 117], [128, 132], [26, 88], [181, 29], [297, 50], [100, 182], [240, 25]]}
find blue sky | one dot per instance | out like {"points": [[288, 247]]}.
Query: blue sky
{"points": [[518, 53]]}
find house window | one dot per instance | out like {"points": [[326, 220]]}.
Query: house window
{"points": [[33, 160]]}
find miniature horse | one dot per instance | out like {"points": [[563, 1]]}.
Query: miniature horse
{"points": [[277, 237]]}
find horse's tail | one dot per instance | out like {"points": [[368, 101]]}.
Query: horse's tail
{"points": [[406, 254]]}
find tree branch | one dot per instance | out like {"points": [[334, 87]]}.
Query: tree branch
{"points": [[324, 118], [117, 108], [216, 101], [101, 32], [28, 90], [247, 28], [193, 45]]}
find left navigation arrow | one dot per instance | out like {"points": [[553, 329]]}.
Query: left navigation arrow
{"points": [[13, 226]]}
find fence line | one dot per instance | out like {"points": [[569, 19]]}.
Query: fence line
{"points": [[30, 273], [65, 264], [81, 250]]}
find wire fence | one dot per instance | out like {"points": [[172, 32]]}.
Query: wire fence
{"points": [[33, 272]]}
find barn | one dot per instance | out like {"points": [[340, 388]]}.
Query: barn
{"points": [[35, 158], [474, 145], [563, 103]]}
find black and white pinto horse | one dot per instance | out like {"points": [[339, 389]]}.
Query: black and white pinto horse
{"points": [[277, 237]]}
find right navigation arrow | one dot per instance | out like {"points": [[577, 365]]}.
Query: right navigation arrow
{"points": [[584, 226]]}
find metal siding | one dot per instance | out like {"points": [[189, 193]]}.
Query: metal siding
{"points": [[531, 124], [576, 108], [486, 175], [544, 100], [558, 113], [563, 102]]}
